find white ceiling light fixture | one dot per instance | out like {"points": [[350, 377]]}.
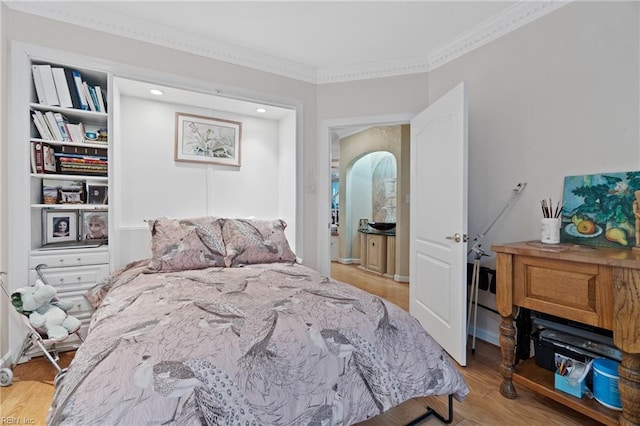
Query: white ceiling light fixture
{"points": [[261, 110], [156, 92]]}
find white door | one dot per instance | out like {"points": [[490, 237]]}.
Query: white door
{"points": [[438, 215]]}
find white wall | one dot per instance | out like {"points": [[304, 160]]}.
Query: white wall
{"points": [[150, 184], [358, 205], [288, 177]]}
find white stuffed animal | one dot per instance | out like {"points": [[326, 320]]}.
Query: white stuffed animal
{"points": [[46, 313]]}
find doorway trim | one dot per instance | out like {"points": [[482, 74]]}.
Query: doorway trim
{"points": [[323, 237]]}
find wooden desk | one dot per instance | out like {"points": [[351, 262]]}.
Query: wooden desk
{"points": [[595, 286]]}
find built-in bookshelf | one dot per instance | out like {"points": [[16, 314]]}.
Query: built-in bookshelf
{"points": [[59, 175], [69, 141]]}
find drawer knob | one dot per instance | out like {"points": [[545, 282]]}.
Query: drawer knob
{"points": [[61, 280], [79, 278], [79, 259]]}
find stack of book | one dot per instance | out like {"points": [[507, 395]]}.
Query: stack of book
{"points": [[63, 87], [42, 158], [56, 127], [82, 161]]}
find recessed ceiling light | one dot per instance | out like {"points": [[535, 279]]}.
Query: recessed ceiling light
{"points": [[261, 110], [156, 92]]}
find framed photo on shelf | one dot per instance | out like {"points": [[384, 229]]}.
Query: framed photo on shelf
{"points": [[51, 189], [207, 140], [59, 226], [70, 197], [95, 225], [97, 193]]}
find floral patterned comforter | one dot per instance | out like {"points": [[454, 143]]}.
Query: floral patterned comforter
{"points": [[265, 344]]}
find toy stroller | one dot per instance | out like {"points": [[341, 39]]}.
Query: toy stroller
{"points": [[32, 337]]}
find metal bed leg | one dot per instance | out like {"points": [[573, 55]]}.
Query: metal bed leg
{"points": [[432, 412]]}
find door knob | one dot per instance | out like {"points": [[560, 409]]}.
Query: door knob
{"points": [[457, 237]]}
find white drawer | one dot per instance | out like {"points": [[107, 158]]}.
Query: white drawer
{"points": [[56, 259], [72, 279]]}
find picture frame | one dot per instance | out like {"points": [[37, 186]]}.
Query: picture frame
{"points": [[51, 189], [97, 194], [70, 196], [95, 226], [598, 209], [207, 140], [59, 226]]}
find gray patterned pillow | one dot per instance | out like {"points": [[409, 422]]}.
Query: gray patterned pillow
{"points": [[183, 244], [249, 241]]}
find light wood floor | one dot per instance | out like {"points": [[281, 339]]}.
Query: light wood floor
{"points": [[26, 401]]}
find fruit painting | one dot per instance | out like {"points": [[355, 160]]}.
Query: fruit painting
{"points": [[598, 209]]}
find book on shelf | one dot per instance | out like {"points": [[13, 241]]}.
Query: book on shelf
{"points": [[94, 97], [84, 151], [37, 160], [101, 99], [49, 85], [82, 164], [53, 126], [73, 92], [62, 88], [79, 87], [87, 94], [43, 129], [62, 122], [37, 82], [49, 159], [76, 132], [43, 158]]}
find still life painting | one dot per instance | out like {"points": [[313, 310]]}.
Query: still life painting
{"points": [[207, 140], [599, 209]]}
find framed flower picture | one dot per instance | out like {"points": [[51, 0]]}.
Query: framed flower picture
{"points": [[207, 140]]}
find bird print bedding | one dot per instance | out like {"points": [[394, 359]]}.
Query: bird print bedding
{"points": [[263, 344]]}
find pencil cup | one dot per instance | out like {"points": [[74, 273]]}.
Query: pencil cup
{"points": [[550, 230]]}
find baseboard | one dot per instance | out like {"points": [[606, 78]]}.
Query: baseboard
{"points": [[349, 261], [401, 278], [485, 335]]}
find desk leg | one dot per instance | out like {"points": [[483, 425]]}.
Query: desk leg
{"points": [[629, 386], [507, 348]]}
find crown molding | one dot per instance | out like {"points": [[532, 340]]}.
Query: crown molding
{"points": [[512, 18], [83, 14]]}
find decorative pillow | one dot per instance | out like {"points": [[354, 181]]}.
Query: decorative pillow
{"points": [[182, 244], [249, 241]]}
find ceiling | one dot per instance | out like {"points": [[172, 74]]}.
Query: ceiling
{"points": [[174, 95], [315, 41], [322, 35]]}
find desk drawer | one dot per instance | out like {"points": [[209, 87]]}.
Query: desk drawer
{"points": [[581, 292]]}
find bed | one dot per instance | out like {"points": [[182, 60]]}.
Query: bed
{"points": [[222, 326]]}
